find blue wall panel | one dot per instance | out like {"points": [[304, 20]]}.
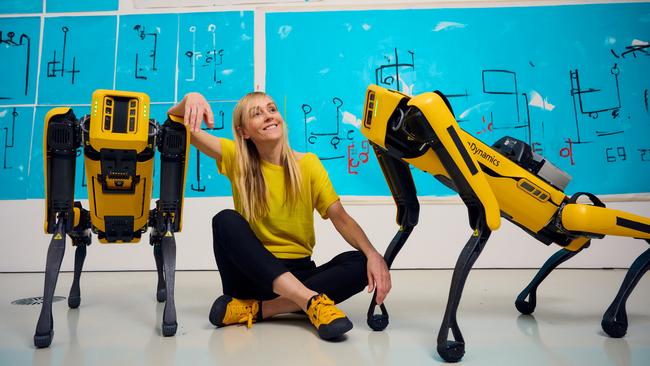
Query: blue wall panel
{"points": [[572, 81]]}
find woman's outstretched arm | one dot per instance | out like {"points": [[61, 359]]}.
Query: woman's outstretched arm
{"points": [[195, 109]]}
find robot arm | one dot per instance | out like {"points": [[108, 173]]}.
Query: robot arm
{"points": [[591, 220]]}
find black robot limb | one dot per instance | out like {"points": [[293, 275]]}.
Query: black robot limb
{"points": [[400, 182], [167, 216], [453, 350], [527, 299], [164, 242], [161, 292], [44, 327], [62, 139], [465, 177], [81, 238], [614, 321]]}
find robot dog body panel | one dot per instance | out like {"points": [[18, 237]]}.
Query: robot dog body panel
{"points": [[521, 196], [118, 155]]}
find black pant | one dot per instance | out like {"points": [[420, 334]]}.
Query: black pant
{"points": [[247, 268]]}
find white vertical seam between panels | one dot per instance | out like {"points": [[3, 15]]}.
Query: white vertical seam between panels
{"points": [[38, 76]]}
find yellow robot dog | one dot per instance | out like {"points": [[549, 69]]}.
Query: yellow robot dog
{"points": [[505, 180], [119, 142]]}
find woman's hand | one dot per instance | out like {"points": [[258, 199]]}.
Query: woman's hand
{"points": [[378, 276], [194, 109]]}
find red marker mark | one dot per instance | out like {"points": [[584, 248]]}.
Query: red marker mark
{"points": [[488, 129], [567, 152], [361, 158]]}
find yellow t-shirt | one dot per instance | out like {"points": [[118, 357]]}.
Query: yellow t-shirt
{"points": [[287, 232]]}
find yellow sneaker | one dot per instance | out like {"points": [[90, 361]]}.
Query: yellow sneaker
{"points": [[327, 318], [227, 310]]}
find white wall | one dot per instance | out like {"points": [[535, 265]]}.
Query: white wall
{"points": [[435, 243]]}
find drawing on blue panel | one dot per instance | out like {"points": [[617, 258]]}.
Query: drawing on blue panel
{"points": [[215, 54], [10, 137], [502, 84], [203, 179], [146, 57], [23, 46], [15, 127], [388, 74], [19, 39], [329, 132], [586, 102], [77, 57], [57, 67], [150, 54], [571, 81], [210, 59]]}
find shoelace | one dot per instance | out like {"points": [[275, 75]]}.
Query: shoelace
{"points": [[247, 312], [324, 309]]}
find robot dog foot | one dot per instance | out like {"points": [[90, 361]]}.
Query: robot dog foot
{"points": [[378, 322], [614, 328], [43, 340], [525, 307], [451, 351], [169, 330], [161, 295], [74, 302]]}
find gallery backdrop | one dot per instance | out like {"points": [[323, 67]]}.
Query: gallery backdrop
{"points": [[569, 79]]}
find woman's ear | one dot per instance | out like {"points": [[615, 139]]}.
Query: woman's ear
{"points": [[242, 133]]}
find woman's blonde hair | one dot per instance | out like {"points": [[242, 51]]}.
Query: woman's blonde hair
{"points": [[250, 181]]}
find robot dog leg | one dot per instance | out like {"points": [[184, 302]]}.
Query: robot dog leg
{"points": [[527, 300], [400, 182], [596, 221], [81, 239], [161, 287], [62, 138], [614, 321], [166, 218]]}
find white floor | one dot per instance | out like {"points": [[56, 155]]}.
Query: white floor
{"points": [[118, 323]]}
